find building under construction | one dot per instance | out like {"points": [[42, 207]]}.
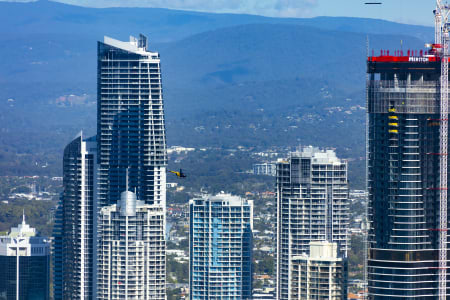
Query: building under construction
{"points": [[407, 175], [407, 105]]}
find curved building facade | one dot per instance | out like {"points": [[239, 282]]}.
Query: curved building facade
{"points": [[74, 242]]}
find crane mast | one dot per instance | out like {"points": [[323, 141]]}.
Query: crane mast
{"points": [[442, 38], [437, 24]]}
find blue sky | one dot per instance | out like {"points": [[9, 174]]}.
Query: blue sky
{"points": [[404, 11]]}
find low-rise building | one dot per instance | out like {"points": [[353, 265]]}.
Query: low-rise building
{"points": [[25, 264], [319, 275]]}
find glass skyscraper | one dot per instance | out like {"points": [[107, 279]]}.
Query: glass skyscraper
{"points": [[220, 248], [312, 205], [57, 253], [76, 238], [403, 108], [130, 121]]}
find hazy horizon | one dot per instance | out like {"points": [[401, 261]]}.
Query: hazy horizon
{"points": [[390, 10]]}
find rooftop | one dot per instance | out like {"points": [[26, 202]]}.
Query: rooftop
{"points": [[230, 200], [317, 155], [135, 45], [22, 230], [128, 205], [320, 251], [408, 56]]}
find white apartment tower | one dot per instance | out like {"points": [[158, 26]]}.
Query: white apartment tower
{"points": [[312, 205], [319, 275], [131, 250]]}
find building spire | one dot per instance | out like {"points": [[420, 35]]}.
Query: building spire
{"points": [[127, 180], [23, 216]]}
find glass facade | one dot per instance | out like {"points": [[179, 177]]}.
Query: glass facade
{"points": [[25, 264], [78, 220], [403, 179], [220, 248], [57, 253], [130, 121], [34, 277]]}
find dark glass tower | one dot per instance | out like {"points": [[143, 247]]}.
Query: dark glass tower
{"points": [[130, 121], [25, 265], [57, 252], [34, 277], [403, 177]]}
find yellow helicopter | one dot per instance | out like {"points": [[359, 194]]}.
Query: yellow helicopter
{"points": [[179, 173]]}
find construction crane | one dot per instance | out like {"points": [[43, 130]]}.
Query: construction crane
{"points": [[437, 22], [442, 38]]}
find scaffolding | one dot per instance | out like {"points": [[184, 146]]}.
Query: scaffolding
{"points": [[442, 38]]}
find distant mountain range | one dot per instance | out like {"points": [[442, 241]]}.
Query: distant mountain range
{"points": [[228, 79]]}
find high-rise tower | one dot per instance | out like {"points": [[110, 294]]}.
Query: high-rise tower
{"points": [[312, 205], [130, 121], [403, 108], [77, 233], [130, 147], [220, 247], [57, 253], [131, 252]]}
